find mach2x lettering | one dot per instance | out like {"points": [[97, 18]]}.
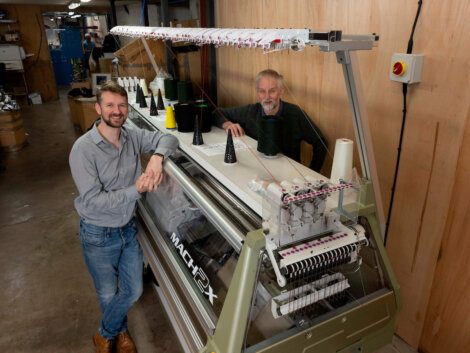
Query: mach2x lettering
{"points": [[202, 281]]}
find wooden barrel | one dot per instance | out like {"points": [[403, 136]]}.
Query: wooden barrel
{"points": [[12, 133]]}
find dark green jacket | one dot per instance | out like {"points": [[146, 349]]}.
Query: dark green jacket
{"points": [[296, 127]]}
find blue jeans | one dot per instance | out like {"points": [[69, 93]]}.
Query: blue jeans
{"points": [[114, 259]]}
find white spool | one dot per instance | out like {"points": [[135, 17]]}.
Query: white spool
{"points": [[157, 84], [143, 85], [342, 161], [161, 85]]}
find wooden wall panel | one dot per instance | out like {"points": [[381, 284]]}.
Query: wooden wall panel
{"points": [[435, 134], [437, 113], [447, 324], [38, 69]]}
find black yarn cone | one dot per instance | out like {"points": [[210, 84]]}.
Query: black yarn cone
{"points": [[160, 105], [230, 156], [143, 102], [137, 95], [153, 106], [197, 137]]}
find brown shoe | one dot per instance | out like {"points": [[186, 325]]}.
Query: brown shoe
{"points": [[102, 344], [125, 343]]}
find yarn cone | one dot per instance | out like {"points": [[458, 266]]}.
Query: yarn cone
{"points": [[170, 122], [230, 156], [143, 85], [197, 137], [137, 95], [160, 105], [143, 102], [153, 106]]}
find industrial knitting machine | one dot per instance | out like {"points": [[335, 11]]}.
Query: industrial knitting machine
{"points": [[247, 264]]}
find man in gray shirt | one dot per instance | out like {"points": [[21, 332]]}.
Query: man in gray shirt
{"points": [[105, 165]]}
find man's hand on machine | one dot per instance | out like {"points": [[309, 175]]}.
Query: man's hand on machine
{"points": [[236, 129], [153, 175], [144, 183]]}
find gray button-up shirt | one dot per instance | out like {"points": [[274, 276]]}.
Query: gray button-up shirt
{"points": [[105, 176]]}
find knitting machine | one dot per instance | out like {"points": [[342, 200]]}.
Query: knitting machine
{"points": [[291, 264], [306, 242]]}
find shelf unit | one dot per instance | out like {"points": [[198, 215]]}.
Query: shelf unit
{"points": [[8, 23], [16, 71]]}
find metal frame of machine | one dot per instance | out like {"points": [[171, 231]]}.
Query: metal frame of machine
{"points": [[359, 325]]}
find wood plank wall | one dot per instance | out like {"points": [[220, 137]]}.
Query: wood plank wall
{"points": [[430, 203]]}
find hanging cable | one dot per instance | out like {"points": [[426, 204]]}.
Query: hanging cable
{"points": [[409, 50]]}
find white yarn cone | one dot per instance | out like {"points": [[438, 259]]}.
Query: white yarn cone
{"points": [[126, 82], [143, 85], [342, 161]]}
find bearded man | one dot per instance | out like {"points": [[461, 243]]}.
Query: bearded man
{"points": [[106, 168], [296, 126]]}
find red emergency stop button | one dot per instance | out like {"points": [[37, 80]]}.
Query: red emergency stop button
{"points": [[399, 68]]}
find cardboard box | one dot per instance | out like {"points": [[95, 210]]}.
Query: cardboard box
{"points": [[87, 114], [74, 110], [134, 61], [84, 84], [106, 65], [35, 98], [137, 70], [134, 52]]}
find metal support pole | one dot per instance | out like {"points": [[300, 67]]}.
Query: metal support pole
{"points": [[231, 329], [361, 127], [165, 17], [146, 14], [113, 13], [211, 62]]}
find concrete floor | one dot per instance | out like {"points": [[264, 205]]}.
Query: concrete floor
{"points": [[47, 303]]}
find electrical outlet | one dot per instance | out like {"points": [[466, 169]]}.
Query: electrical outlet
{"points": [[406, 68]]}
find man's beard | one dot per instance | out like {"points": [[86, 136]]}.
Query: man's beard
{"points": [[108, 121], [268, 105]]}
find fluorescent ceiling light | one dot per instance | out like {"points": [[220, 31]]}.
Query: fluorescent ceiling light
{"points": [[77, 15], [71, 13], [85, 0], [74, 4]]}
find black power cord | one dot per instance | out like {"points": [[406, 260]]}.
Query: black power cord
{"points": [[409, 50]]}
